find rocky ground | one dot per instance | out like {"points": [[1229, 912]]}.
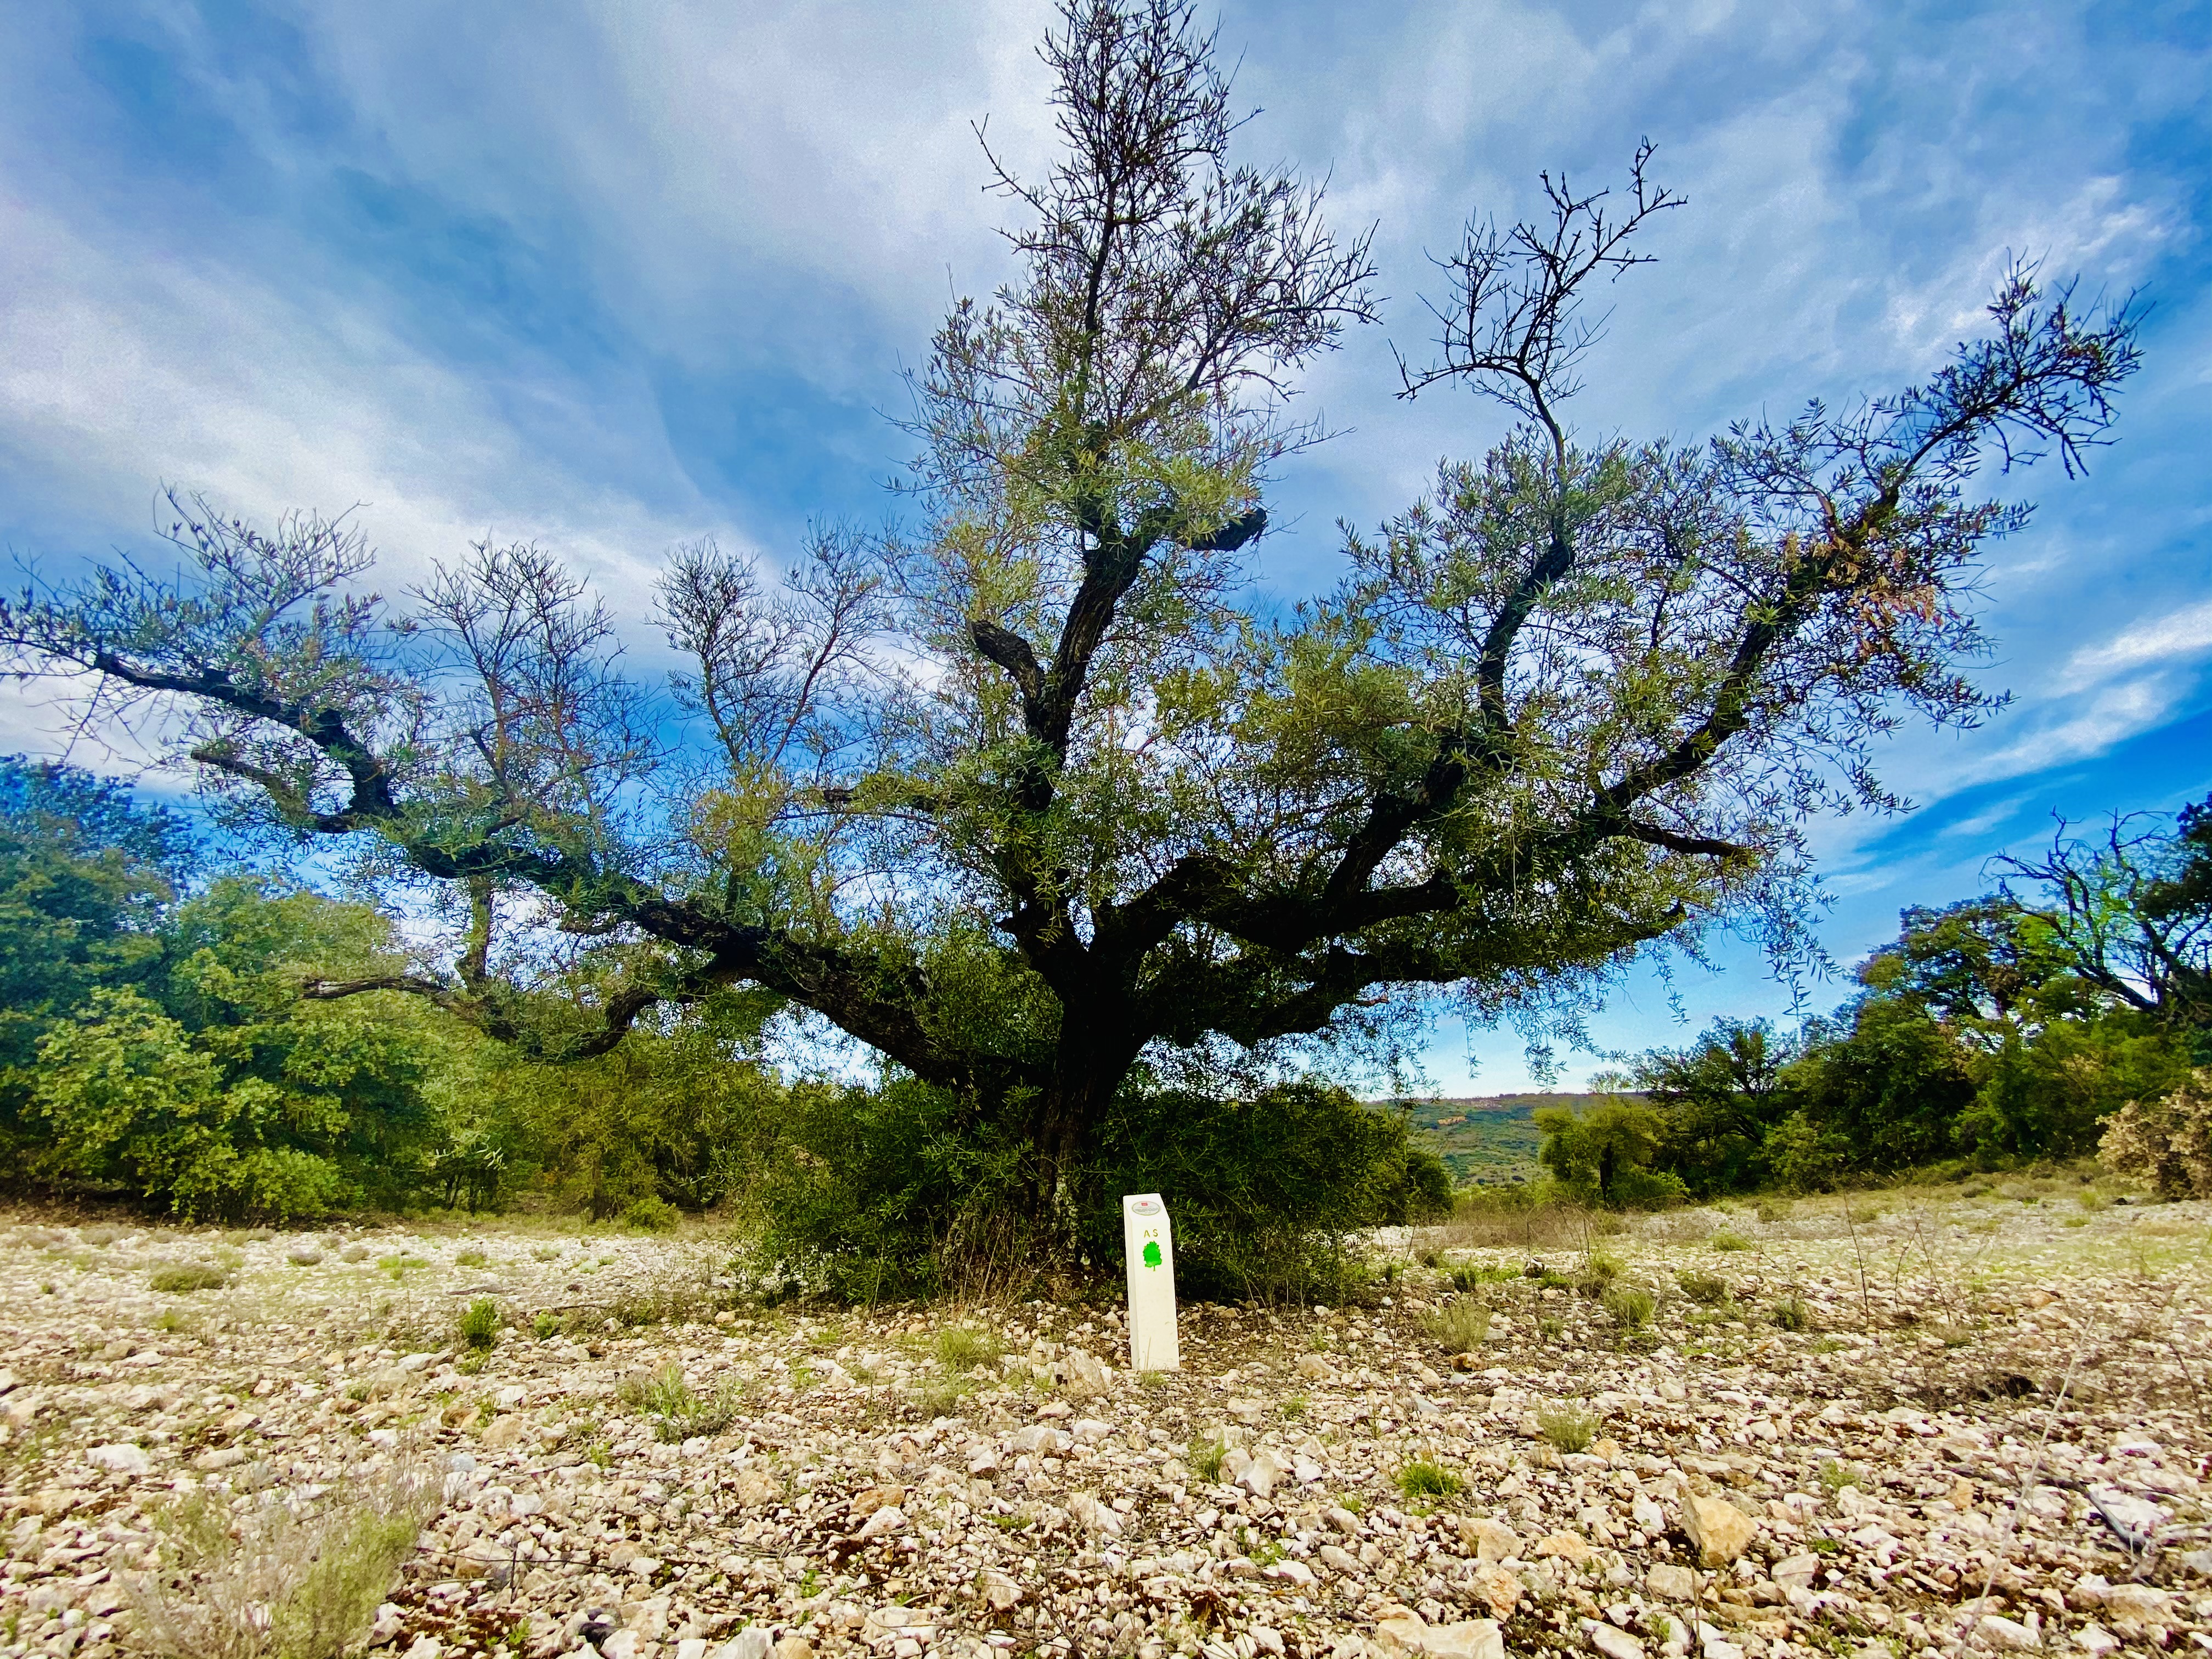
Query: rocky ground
{"points": [[1915, 1421]]}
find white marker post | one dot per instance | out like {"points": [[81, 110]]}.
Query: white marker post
{"points": [[1150, 1243]]}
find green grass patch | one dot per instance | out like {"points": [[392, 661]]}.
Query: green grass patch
{"points": [[1422, 1479], [183, 1278]]}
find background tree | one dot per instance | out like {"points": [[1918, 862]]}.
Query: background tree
{"points": [[2129, 916], [1086, 811], [1716, 1102]]}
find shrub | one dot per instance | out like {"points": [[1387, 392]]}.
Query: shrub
{"points": [[1706, 1289], [2165, 1144], [1422, 1479], [279, 1581], [1568, 1428], [1631, 1308], [182, 1278], [1459, 1327], [480, 1323], [650, 1215]]}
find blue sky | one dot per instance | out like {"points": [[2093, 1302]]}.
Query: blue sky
{"points": [[613, 276]]}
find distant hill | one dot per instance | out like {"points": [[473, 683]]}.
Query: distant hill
{"points": [[1488, 1139]]}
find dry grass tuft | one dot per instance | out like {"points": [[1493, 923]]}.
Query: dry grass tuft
{"points": [[1459, 1327], [280, 1581]]}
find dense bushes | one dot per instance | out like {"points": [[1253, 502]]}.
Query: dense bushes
{"points": [[872, 1192]]}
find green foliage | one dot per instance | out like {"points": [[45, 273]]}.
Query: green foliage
{"points": [[1793, 1313], [1718, 1101], [480, 1323], [1601, 1156], [1725, 1240], [873, 1193], [1422, 1479], [280, 1581], [648, 1214], [181, 1278]]}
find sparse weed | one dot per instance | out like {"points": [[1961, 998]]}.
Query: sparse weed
{"points": [[677, 1411], [1551, 1329], [1708, 1290], [1793, 1313], [182, 1278], [480, 1323], [1421, 1479], [1727, 1240], [1632, 1307], [397, 1267], [1568, 1428], [964, 1348], [1599, 1269], [1476, 1274], [1204, 1456], [1459, 1327], [546, 1253], [354, 1253], [1294, 1408], [1772, 1210], [545, 1326], [2090, 1198], [1835, 1476], [472, 1256]]}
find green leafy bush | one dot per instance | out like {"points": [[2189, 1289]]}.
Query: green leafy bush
{"points": [[650, 1215]]}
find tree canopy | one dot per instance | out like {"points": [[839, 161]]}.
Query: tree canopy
{"points": [[1025, 792]]}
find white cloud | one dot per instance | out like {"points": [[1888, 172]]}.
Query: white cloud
{"points": [[2176, 635]]}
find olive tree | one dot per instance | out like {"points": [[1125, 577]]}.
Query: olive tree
{"points": [[1029, 793]]}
